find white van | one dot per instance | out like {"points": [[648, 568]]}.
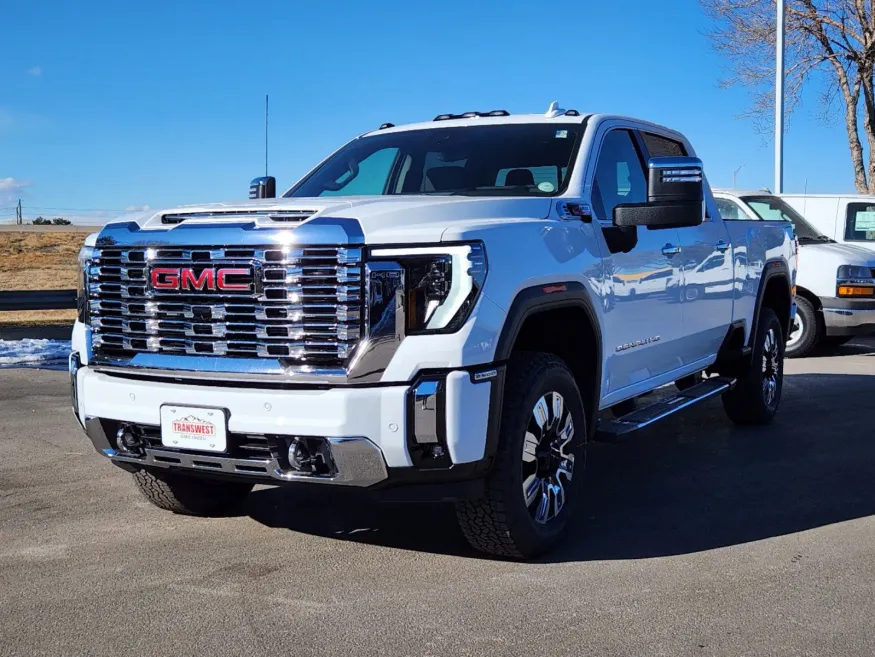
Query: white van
{"points": [[835, 283], [848, 219]]}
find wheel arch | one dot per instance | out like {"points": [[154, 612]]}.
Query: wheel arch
{"points": [[558, 318], [774, 292]]}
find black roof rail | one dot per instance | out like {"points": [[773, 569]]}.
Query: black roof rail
{"points": [[470, 115], [387, 125]]}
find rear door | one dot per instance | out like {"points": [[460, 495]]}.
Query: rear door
{"points": [[708, 281]]}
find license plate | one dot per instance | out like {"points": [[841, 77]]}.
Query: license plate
{"points": [[188, 427]]}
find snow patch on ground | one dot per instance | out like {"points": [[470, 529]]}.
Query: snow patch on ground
{"points": [[31, 352]]}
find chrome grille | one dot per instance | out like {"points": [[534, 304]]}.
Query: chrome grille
{"points": [[301, 304]]}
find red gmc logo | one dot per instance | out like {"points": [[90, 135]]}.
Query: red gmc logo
{"points": [[176, 278]]}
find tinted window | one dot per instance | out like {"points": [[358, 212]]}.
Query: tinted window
{"points": [[533, 159], [860, 223], [619, 176], [662, 146], [730, 211]]}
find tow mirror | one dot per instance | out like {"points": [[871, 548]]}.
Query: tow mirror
{"points": [[263, 187], [675, 196]]}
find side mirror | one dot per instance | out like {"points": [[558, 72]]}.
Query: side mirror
{"points": [[264, 187], [675, 196]]}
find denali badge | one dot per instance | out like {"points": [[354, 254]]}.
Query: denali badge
{"points": [[176, 278], [637, 343]]}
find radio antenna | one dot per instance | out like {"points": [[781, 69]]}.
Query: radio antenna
{"points": [[265, 134]]}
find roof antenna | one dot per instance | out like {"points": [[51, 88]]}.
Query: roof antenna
{"points": [[554, 110], [265, 134]]}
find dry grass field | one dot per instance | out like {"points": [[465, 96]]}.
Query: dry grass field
{"points": [[38, 261]]}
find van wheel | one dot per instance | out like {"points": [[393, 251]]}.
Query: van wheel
{"points": [[535, 482], [757, 392], [806, 331]]}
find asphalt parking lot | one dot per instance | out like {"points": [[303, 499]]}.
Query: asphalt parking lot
{"points": [[697, 538]]}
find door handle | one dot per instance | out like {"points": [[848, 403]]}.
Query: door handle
{"points": [[721, 246], [670, 250]]}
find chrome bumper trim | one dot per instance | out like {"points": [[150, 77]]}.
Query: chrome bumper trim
{"points": [[848, 318], [357, 461]]}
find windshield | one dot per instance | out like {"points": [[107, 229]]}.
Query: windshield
{"points": [[532, 159], [772, 208]]}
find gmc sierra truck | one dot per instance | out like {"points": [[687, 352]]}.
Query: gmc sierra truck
{"points": [[446, 310]]}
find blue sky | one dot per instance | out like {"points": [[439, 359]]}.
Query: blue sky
{"points": [[107, 106]]}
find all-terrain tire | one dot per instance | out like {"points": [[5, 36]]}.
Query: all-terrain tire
{"points": [[501, 523], [757, 393], [810, 324], [190, 495]]}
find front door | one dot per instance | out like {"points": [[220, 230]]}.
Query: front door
{"points": [[643, 330]]}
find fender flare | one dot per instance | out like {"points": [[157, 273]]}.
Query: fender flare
{"points": [[772, 269], [554, 296]]}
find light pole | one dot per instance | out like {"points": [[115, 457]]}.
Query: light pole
{"points": [[735, 176], [779, 101]]}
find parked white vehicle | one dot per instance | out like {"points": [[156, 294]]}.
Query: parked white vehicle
{"points": [[436, 310], [848, 219], [835, 282]]}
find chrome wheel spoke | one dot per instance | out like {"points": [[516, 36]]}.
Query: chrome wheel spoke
{"points": [[532, 488], [547, 460]]}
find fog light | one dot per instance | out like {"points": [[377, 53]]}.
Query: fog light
{"points": [[128, 441], [300, 458]]}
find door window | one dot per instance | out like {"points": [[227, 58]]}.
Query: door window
{"points": [[730, 211], [860, 224], [619, 176]]}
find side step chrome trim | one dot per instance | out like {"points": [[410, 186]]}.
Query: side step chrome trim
{"points": [[610, 431]]}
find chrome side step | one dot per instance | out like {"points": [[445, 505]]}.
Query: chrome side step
{"points": [[613, 430]]}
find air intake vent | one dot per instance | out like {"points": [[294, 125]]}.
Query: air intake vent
{"points": [[284, 216]]}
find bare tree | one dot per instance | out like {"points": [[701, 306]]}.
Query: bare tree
{"points": [[830, 43]]}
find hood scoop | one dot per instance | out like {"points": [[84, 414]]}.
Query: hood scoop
{"points": [[280, 216]]}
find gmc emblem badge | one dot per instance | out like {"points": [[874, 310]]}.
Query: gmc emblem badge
{"points": [[214, 280]]}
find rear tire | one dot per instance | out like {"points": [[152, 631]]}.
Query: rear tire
{"points": [[757, 392], [535, 482], [806, 331], [190, 495]]}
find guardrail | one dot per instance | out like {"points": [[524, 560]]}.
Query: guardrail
{"points": [[38, 300]]}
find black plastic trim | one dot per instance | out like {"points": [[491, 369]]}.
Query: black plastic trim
{"points": [[533, 300], [771, 269], [847, 303]]}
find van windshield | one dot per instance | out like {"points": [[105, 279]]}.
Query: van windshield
{"points": [[772, 208], [533, 159]]}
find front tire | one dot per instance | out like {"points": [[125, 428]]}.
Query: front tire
{"points": [[806, 331], [757, 392], [534, 486], [190, 496]]}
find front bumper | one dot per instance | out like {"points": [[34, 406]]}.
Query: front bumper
{"points": [[848, 317], [439, 424]]}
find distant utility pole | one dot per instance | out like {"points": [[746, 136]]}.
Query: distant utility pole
{"points": [[265, 134], [779, 101], [735, 176], [18, 218]]}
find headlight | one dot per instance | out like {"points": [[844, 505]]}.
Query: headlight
{"points": [[85, 254], [854, 272], [441, 284]]}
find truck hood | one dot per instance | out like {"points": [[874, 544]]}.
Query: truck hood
{"points": [[840, 254], [384, 219]]}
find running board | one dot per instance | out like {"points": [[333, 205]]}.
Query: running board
{"points": [[613, 430]]}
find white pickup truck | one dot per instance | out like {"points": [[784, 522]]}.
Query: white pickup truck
{"points": [[835, 284], [439, 310]]}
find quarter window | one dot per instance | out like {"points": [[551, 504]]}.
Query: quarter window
{"points": [[619, 176]]}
